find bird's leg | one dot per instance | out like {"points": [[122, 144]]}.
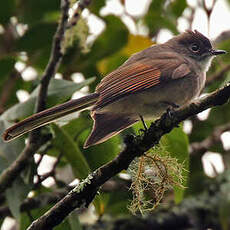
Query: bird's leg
{"points": [[171, 107], [143, 122]]}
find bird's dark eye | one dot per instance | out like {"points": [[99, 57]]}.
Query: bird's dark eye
{"points": [[195, 47]]}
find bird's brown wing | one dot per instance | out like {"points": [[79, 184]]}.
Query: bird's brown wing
{"points": [[137, 76]]}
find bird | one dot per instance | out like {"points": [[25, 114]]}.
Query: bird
{"points": [[161, 77]]}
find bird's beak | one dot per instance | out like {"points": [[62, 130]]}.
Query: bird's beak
{"points": [[217, 52]]}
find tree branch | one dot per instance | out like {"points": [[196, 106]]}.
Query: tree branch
{"points": [[51, 173], [82, 4], [35, 203], [11, 173], [192, 213], [53, 197], [55, 56], [83, 194], [8, 175]]}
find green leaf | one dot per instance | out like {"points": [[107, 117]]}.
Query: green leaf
{"points": [[224, 45], [111, 40], [99, 202], [3, 164], [6, 66], [223, 114], [95, 6], [200, 131], [100, 154], [224, 207], [74, 221], [1, 221], [177, 7], [75, 127], [6, 10], [224, 214], [117, 203], [71, 151], [42, 33], [38, 52], [109, 64], [14, 199], [63, 226], [114, 203], [158, 18], [32, 11], [9, 151], [25, 219], [218, 116], [58, 92], [176, 143], [218, 83], [17, 83], [197, 181]]}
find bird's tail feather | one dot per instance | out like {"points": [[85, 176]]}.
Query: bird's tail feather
{"points": [[107, 125], [47, 116]]}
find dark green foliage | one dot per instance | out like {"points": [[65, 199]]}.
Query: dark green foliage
{"points": [[109, 50], [115, 33], [95, 6], [7, 10], [161, 17], [32, 11]]}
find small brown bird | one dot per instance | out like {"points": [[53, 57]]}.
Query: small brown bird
{"points": [[146, 85]]}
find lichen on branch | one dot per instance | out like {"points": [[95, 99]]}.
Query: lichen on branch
{"points": [[153, 174]]}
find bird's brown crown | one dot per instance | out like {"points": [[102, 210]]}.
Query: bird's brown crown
{"points": [[194, 36]]}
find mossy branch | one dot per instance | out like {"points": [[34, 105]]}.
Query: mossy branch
{"points": [[84, 193]]}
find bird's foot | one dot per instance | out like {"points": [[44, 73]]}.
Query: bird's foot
{"points": [[171, 109], [129, 139]]}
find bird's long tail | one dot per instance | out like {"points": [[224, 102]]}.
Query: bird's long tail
{"points": [[47, 116]]}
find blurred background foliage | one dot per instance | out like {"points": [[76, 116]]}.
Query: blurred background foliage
{"points": [[26, 32]]}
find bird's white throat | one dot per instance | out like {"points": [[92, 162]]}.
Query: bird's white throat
{"points": [[206, 63]]}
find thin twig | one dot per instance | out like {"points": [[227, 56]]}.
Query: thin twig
{"points": [[53, 197], [208, 11], [10, 174], [210, 141], [40, 201], [55, 57], [51, 173], [82, 4], [83, 194]]}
